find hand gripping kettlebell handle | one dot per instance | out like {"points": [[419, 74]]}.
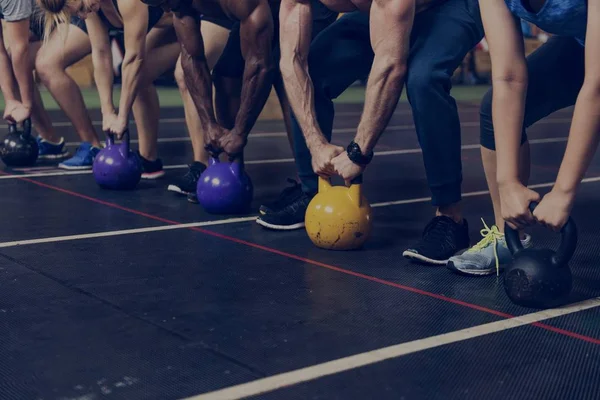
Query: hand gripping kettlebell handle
{"points": [[566, 249], [110, 138]]}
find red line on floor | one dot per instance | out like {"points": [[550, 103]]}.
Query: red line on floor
{"points": [[314, 262]]}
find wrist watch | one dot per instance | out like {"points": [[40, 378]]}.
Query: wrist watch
{"points": [[356, 156]]}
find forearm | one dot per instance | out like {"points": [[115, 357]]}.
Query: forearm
{"points": [[199, 83], [381, 98], [23, 73], [132, 71], [256, 87], [508, 105], [583, 141], [104, 77]]}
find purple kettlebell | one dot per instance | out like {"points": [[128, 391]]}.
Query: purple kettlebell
{"points": [[225, 188], [116, 167]]}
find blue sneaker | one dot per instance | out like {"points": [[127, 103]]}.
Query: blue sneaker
{"points": [[487, 257], [83, 158], [51, 151]]}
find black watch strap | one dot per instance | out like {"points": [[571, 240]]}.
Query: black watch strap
{"points": [[356, 156]]}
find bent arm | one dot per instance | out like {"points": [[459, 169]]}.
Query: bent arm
{"points": [[256, 34], [391, 23], [195, 68], [585, 127], [295, 37], [18, 34], [509, 82], [102, 62], [135, 17]]}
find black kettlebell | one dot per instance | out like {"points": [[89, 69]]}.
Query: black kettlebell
{"points": [[19, 148], [540, 278]]}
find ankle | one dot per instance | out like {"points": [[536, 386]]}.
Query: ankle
{"points": [[452, 211]]}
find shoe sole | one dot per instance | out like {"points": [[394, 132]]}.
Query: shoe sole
{"points": [[419, 257], [280, 227], [177, 189], [53, 157], [72, 168], [471, 272], [153, 175]]}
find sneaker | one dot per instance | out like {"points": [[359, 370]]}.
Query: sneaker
{"points": [[490, 255], [442, 238], [289, 193], [83, 158], [51, 151], [187, 184], [290, 214], [151, 169]]}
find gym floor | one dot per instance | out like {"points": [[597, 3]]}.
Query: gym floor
{"points": [[142, 295]]}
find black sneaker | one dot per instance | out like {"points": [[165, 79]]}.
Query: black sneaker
{"points": [[288, 194], [442, 239], [151, 169], [289, 216], [187, 184]]}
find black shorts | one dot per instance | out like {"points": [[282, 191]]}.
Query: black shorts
{"points": [[154, 15], [231, 63]]}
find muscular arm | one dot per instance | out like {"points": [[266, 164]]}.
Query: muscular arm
{"points": [[256, 34], [135, 17], [509, 82], [583, 135], [18, 35], [195, 68], [295, 37], [102, 61], [391, 23]]}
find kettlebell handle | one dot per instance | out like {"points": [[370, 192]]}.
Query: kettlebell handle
{"points": [[12, 128], [354, 191], [566, 249]]}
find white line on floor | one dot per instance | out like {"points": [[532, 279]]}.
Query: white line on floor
{"points": [[125, 232], [234, 220], [269, 161], [318, 371], [336, 131]]}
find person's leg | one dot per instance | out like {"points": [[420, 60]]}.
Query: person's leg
{"points": [[556, 72], [214, 37], [441, 39], [51, 63], [339, 55]]}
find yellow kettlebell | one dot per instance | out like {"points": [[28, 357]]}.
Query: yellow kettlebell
{"points": [[338, 217]]}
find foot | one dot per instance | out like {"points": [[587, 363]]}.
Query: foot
{"points": [[442, 238], [287, 212], [487, 257], [187, 183], [51, 151], [83, 158], [151, 169], [289, 193]]}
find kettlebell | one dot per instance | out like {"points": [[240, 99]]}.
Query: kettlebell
{"points": [[540, 278], [225, 187], [19, 148], [339, 217], [116, 167]]}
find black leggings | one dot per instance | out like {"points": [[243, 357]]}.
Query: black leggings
{"points": [[556, 71]]}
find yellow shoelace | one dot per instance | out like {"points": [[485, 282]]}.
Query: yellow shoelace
{"points": [[490, 236]]}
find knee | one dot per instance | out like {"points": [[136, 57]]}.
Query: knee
{"points": [[486, 125], [424, 78], [47, 66]]}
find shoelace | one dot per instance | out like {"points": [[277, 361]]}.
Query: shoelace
{"points": [[490, 236]]}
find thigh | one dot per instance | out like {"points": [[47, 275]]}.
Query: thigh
{"points": [[162, 52], [555, 75], [341, 54], [443, 35], [65, 51], [215, 38]]}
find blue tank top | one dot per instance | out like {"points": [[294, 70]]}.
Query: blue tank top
{"points": [[558, 17]]}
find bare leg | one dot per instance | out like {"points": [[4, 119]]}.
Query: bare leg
{"points": [[39, 115], [489, 164], [162, 51], [51, 64]]}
